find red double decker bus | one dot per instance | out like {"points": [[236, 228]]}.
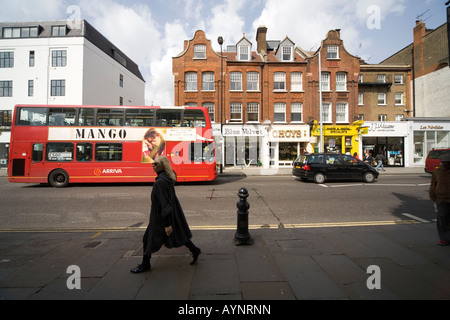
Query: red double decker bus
{"points": [[60, 144]]}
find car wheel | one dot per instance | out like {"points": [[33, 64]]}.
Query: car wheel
{"points": [[58, 178], [369, 177], [319, 178]]}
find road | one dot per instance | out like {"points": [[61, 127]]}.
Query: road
{"points": [[275, 201]]}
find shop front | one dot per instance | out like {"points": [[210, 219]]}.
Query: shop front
{"points": [[338, 138], [287, 142], [426, 134], [387, 138]]}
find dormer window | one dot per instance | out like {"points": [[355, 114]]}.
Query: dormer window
{"points": [[287, 53], [285, 50], [244, 53], [199, 51], [59, 31]]}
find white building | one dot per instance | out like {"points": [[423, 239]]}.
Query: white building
{"points": [[56, 62]]}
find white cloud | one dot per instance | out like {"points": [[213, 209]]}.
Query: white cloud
{"points": [[32, 10]]}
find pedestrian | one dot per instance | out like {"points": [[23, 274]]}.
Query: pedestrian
{"points": [[380, 158], [355, 155], [440, 194], [368, 158], [168, 225]]}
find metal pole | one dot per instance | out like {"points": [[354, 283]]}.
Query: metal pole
{"points": [[220, 41], [320, 102]]}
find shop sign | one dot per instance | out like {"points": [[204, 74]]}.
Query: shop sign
{"points": [[243, 131], [386, 129], [289, 133]]}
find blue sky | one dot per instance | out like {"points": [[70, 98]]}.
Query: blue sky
{"points": [[151, 32]]}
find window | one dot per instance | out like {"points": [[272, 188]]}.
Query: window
{"points": [[252, 81], [190, 79], [5, 118], [37, 154], [382, 117], [325, 81], [30, 88], [31, 59], [360, 98], [360, 78], [108, 152], [244, 53], [332, 52], [168, 118], [211, 110], [110, 117], [235, 81], [58, 88], [59, 58], [399, 117], [287, 53], [58, 31], [326, 112], [139, 117], [279, 81], [32, 117], [86, 117], [6, 59], [381, 99], [341, 112], [296, 112], [61, 117], [194, 119], [6, 88], [236, 112], [280, 112], [121, 80], [399, 98], [84, 151], [208, 81], [398, 79], [20, 32], [59, 151], [381, 78], [253, 112], [199, 51], [341, 81], [296, 81]]}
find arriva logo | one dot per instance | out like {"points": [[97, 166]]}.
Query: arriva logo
{"points": [[99, 172]]}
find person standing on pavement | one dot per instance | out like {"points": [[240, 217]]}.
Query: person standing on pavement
{"points": [[440, 194], [168, 225]]}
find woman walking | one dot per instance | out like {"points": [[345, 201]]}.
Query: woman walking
{"points": [[168, 225]]}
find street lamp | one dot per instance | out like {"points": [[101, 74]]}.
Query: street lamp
{"points": [[220, 41]]}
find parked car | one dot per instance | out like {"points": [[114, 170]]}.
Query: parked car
{"points": [[321, 167], [432, 161]]}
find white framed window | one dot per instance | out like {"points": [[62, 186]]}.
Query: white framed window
{"points": [[382, 117], [244, 53], [381, 99], [332, 52], [59, 58], [235, 112], [398, 79], [211, 110], [235, 81], [399, 117], [200, 51], [252, 81], [208, 81], [190, 79], [296, 112], [342, 112], [399, 98], [325, 81], [341, 81], [381, 78], [287, 53], [360, 98], [280, 112], [253, 112], [326, 112], [279, 81], [296, 81], [360, 78]]}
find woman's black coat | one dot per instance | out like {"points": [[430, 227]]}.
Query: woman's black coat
{"points": [[165, 211]]}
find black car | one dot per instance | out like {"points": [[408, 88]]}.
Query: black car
{"points": [[321, 167]]}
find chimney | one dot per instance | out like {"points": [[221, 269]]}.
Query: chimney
{"points": [[261, 34], [338, 32]]}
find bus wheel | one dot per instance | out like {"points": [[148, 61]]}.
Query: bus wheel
{"points": [[58, 178]]}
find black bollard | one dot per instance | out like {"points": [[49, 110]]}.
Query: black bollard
{"points": [[242, 237]]}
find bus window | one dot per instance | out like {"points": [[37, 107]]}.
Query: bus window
{"points": [[38, 152], [59, 151], [84, 152], [32, 117], [139, 117], [108, 152], [110, 117], [168, 118], [194, 118], [201, 152], [86, 117], [61, 117]]}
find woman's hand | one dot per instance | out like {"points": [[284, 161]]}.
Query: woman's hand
{"points": [[169, 230]]}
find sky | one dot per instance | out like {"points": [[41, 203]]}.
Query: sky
{"points": [[151, 32]]}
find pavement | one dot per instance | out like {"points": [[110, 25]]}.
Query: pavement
{"points": [[382, 261]]}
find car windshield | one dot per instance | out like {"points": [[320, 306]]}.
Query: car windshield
{"points": [[436, 154]]}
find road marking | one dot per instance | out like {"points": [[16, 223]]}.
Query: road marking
{"points": [[415, 218]]}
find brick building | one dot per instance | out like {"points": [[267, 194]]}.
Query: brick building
{"points": [[271, 96]]}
